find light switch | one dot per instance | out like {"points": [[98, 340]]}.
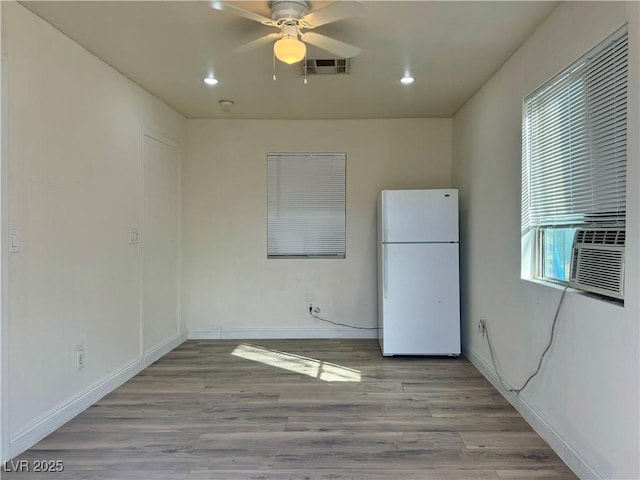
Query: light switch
{"points": [[14, 240], [134, 236]]}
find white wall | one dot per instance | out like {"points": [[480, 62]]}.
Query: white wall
{"points": [[231, 289], [585, 401], [4, 324], [75, 150]]}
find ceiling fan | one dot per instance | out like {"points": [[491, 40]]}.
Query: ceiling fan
{"points": [[292, 18]]}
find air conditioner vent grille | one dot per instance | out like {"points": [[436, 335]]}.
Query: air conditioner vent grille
{"points": [[326, 66], [597, 261], [601, 236]]}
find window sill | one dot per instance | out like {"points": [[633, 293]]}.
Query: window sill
{"points": [[306, 257], [593, 296]]}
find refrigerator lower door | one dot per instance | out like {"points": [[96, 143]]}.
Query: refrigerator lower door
{"points": [[421, 306]]}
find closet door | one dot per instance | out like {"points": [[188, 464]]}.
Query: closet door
{"points": [[160, 241]]}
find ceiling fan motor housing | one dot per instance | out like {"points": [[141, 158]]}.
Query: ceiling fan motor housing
{"points": [[289, 9]]}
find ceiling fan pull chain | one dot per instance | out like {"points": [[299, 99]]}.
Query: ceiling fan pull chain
{"points": [[305, 68], [274, 66]]}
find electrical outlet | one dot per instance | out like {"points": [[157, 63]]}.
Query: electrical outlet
{"points": [[314, 309], [134, 236], [80, 357], [481, 326], [14, 241]]}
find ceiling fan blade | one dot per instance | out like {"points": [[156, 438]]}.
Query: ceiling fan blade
{"points": [[230, 8], [331, 45], [335, 11], [257, 43]]}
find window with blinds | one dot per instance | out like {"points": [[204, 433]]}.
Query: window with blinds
{"points": [[306, 205], [574, 155]]}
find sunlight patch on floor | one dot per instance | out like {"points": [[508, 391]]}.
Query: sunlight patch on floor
{"points": [[329, 372]]}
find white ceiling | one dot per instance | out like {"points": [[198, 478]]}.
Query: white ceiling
{"points": [[450, 47]]}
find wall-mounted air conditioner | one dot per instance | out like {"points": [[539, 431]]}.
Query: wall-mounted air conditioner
{"points": [[597, 261]]}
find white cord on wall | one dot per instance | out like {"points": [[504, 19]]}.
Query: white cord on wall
{"points": [[517, 391]]}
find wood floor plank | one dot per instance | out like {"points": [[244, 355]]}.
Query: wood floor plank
{"points": [[301, 442], [337, 474], [102, 475], [469, 410], [536, 474], [505, 440], [416, 458], [389, 423], [307, 409]]}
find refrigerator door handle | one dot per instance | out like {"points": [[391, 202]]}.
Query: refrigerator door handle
{"points": [[385, 222], [384, 272]]}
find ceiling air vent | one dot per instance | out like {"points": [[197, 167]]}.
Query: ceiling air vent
{"points": [[331, 66], [597, 261]]}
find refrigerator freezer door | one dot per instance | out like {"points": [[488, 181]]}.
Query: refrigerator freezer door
{"points": [[419, 216], [421, 313]]}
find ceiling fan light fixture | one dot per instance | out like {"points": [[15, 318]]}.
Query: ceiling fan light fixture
{"points": [[289, 49]]}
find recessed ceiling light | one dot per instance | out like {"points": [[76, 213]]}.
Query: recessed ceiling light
{"points": [[407, 80], [210, 81]]}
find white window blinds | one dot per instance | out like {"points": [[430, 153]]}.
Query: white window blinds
{"points": [[574, 143], [306, 205]]}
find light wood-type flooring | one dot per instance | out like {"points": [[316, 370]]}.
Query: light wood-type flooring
{"points": [[299, 409]]}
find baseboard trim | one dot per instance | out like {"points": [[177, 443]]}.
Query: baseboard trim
{"points": [[564, 450], [184, 336], [67, 410], [161, 350], [77, 404], [277, 333]]}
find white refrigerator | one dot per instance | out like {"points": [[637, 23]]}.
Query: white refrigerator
{"points": [[418, 272]]}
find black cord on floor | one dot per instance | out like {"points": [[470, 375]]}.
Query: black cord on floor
{"points": [[341, 324]]}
